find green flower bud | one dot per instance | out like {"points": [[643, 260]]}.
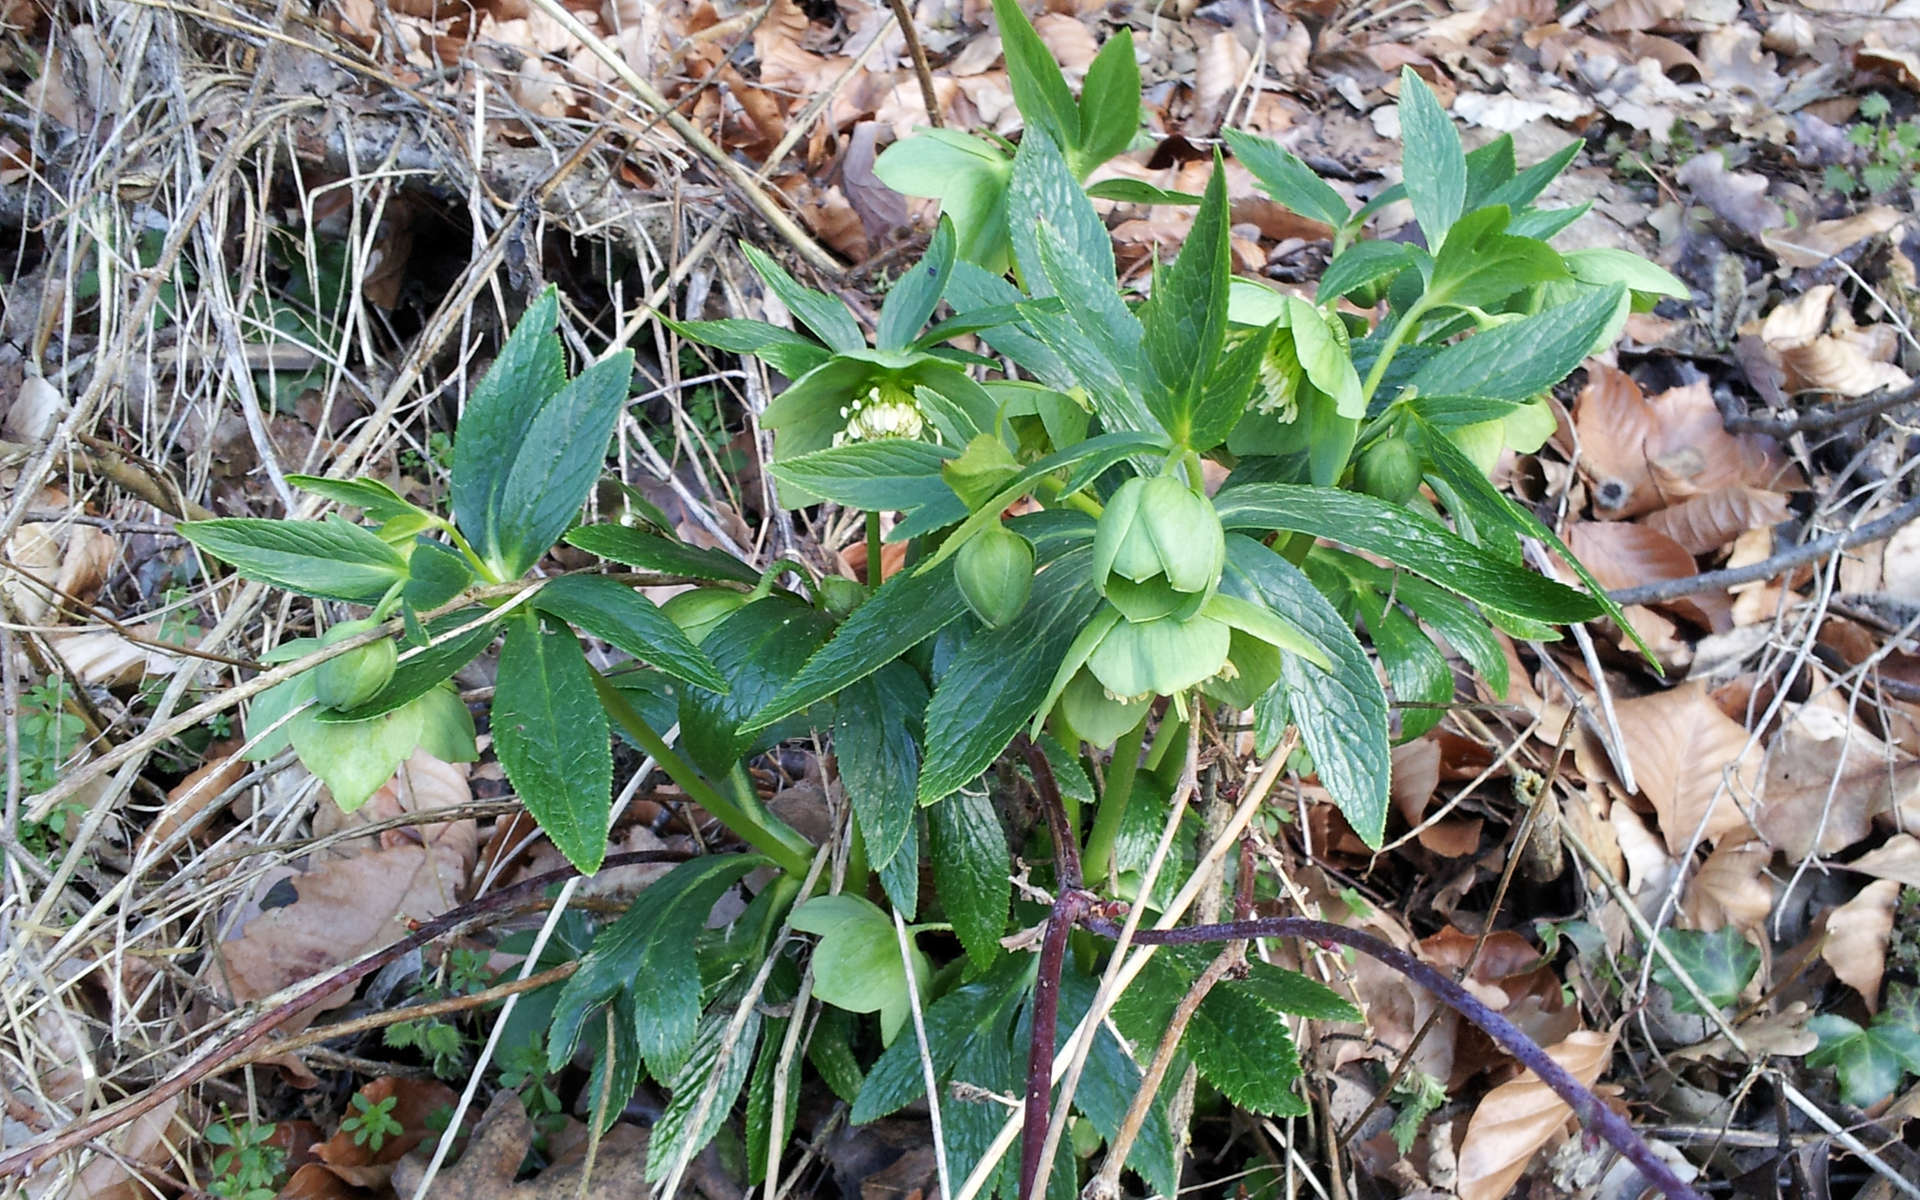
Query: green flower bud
{"points": [[995, 573], [1389, 469], [696, 612], [1159, 529], [351, 679], [840, 595]]}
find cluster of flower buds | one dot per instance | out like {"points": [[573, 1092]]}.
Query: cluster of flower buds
{"points": [[886, 411]]}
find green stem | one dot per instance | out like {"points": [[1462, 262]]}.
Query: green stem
{"points": [[1097, 861], [1170, 734], [873, 551], [1401, 329], [749, 819]]}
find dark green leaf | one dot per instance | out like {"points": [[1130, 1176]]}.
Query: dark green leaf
{"points": [[1137, 191], [827, 316], [436, 573], [1520, 191], [874, 743], [1869, 1062], [1039, 89], [499, 416], [551, 735], [1184, 322], [647, 954], [1481, 265], [1365, 523], [1108, 1086], [914, 295], [380, 502], [1363, 263], [552, 471], [1109, 101], [1288, 180], [1416, 670], [622, 617], [1000, 676], [890, 475], [1224, 399], [1291, 992], [830, 1050], [764, 1129], [757, 649], [648, 551], [1722, 962], [907, 610], [978, 1012], [972, 869], [329, 559], [974, 291], [787, 352], [1436, 168], [1466, 630], [1342, 714]]}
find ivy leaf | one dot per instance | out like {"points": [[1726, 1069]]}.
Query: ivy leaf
{"points": [[331, 559], [1870, 1062], [1721, 962], [973, 870], [646, 955], [550, 732]]}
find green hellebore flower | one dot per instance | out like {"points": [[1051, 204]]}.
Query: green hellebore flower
{"points": [[1159, 533], [886, 411], [1092, 715]]}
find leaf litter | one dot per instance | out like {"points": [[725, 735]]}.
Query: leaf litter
{"points": [[1757, 151]]}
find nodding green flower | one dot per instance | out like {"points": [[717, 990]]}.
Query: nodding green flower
{"points": [[886, 411], [1280, 377], [1158, 549]]}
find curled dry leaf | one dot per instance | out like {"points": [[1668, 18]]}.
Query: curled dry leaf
{"points": [[1641, 453], [1821, 350], [1692, 762], [1730, 888], [1622, 554], [1516, 1119], [191, 798], [1705, 523], [1898, 860], [104, 658], [1827, 779], [1814, 244], [1858, 933]]}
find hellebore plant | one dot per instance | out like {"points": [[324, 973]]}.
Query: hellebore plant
{"points": [[1072, 583]]}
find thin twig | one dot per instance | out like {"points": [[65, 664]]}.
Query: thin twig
{"points": [[918, 53], [1814, 420]]}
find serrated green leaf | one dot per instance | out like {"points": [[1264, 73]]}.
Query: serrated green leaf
{"points": [[1184, 322], [1436, 167], [973, 871], [1109, 101], [1361, 264], [623, 618], [1523, 358], [1039, 89], [551, 735], [827, 316], [647, 551], [499, 416], [1416, 670], [436, 573], [1520, 191], [879, 757], [645, 954], [1365, 523], [379, 502], [1288, 180], [1490, 167], [330, 559], [1481, 265], [913, 296], [792, 354], [1342, 714], [907, 610], [977, 1012], [891, 475], [995, 683], [757, 649], [1108, 1086], [1451, 617]]}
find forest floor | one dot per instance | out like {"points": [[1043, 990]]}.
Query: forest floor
{"points": [[243, 242]]}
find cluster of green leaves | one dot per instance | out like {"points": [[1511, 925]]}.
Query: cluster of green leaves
{"points": [[439, 1041], [49, 735], [1354, 450], [1871, 1060], [247, 1166], [1889, 150], [372, 1121]]}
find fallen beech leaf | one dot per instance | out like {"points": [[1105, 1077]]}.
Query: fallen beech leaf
{"points": [[1827, 779], [1705, 523], [1898, 860], [498, 1147], [1516, 1119], [1692, 762], [415, 1102], [1821, 351], [1858, 933], [1730, 889], [1814, 244], [1622, 554], [1784, 1034], [1642, 453]]}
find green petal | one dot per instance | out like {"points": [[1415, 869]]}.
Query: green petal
{"points": [[1095, 717], [1162, 657]]}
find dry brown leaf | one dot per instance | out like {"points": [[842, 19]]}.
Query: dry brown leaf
{"points": [[1692, 763], [1813, 244], [1730, 888], [1858, 933], [498, 1147], [150, 1143], [1705, 523], [1622, 554], [1737, 197], [1827, 779], [1218, 71], [1898, 860], [104, 658], [1820, 349], [1072, 43], [1516, 1119], [343, 908], [192, 796], [415, 1102], [421, 785], [1782, 1034], [1641, 453]]}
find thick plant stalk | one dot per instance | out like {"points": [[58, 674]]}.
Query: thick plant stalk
{"points": [[1588, 1108]]}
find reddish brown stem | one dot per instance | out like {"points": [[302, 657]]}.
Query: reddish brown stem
{"points": [[1068, 910]]}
